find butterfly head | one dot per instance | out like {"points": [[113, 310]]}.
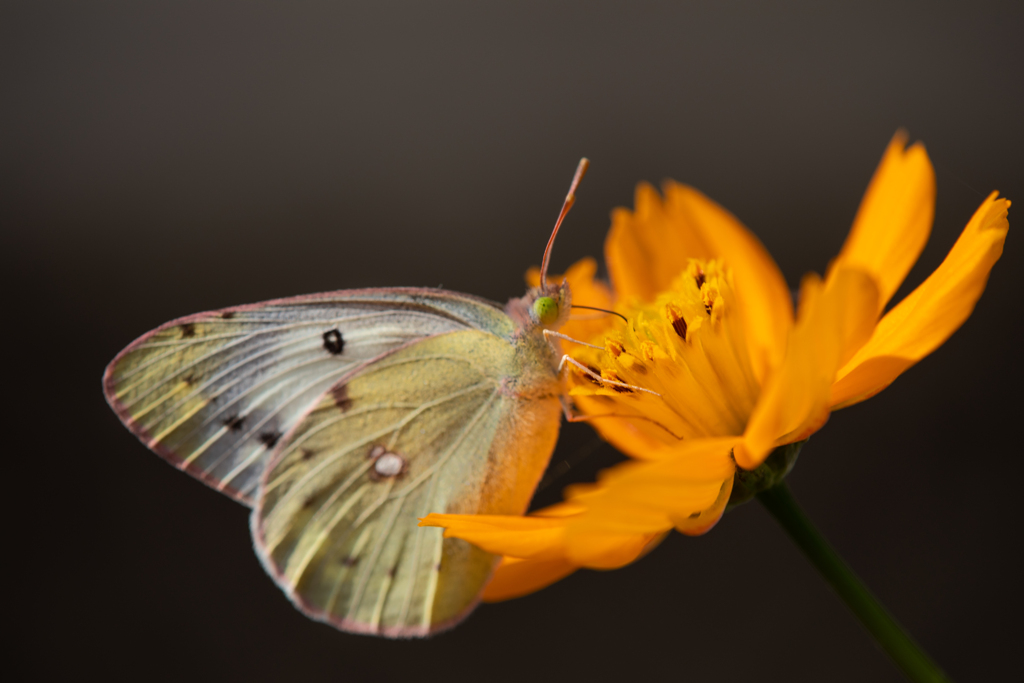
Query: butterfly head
{"points": [[550, 305], [545, 307]]}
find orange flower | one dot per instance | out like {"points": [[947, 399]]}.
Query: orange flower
{"points": [[713, 371]]}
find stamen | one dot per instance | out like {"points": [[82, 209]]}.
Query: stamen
{"points": [[590, 373], [710, 296], [687, 348], [675, 316]]}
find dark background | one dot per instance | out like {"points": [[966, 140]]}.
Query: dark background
{"points": [[159, 160]]}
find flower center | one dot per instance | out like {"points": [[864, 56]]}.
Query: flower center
{"points": [[688, 347]]}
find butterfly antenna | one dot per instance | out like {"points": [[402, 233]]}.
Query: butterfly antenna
{"points": [[570, 199], [603, 310]]}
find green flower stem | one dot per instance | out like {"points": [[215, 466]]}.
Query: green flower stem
{"points": [[908, 655]]}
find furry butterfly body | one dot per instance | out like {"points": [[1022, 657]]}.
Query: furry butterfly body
{"points": [[342, 418]]}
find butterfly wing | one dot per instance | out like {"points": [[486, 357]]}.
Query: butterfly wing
{"points": [[213, 393], [463, 422]]}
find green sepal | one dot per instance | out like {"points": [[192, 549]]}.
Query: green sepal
{"points": [[748, 483]]}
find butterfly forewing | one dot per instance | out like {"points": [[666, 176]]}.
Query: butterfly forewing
{"points": [[433, 427], [215, 392]]}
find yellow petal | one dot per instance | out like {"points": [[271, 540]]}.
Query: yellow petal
{"points": [[586, 291], [931, 313], [649, 247], [634, 436], [894, 219], [835, 318], [761, 291], [541, 538], [515, 577], [696, 525], [600, 550], [635, 502]]}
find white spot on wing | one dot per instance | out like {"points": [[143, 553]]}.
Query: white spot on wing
{"points": [[389, 465]]}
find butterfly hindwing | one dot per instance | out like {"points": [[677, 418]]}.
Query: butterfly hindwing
{"points": [[213, 393], [435, 426]]}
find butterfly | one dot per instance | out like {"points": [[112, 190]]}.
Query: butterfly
{"points": [[342, 418]]}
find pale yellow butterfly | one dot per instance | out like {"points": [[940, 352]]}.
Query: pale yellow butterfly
{"points": [[341, 418]]}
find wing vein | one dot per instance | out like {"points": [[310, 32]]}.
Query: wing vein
{"points": [[334, 456], [378, 547]]}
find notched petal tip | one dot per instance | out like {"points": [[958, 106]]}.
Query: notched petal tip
{"points": [[894, 218], [931, 313]]}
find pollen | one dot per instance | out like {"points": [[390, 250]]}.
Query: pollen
{"points": [[686, 348]]}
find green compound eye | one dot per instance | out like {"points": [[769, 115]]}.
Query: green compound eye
{"points": [[546, 310]]}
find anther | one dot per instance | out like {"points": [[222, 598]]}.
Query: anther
{"points": [[592, 373], [675, 316], [710, 297]]}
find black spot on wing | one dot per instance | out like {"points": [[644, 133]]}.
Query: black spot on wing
{"points": [[270, 439], [334, 342], [350, 561], [340, 395], [227, 315], [188, 330], [234, 422]]}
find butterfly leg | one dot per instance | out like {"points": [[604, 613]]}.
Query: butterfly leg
{"points": [[590, 373], [549, 333], [570, 416]]}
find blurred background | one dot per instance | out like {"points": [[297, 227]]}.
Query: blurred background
{"points": [[160, 159]]}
